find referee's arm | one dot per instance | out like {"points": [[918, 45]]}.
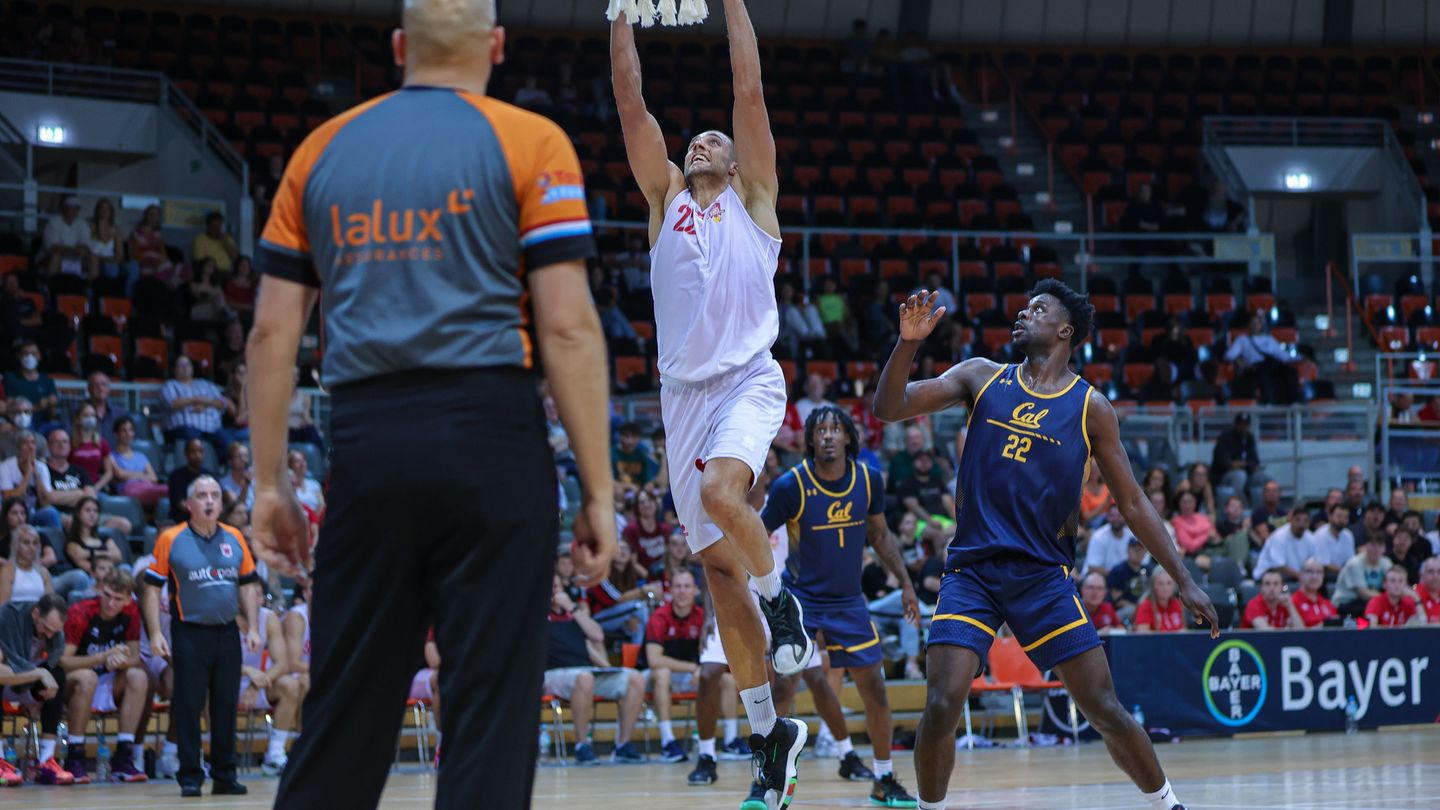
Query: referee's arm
{"points": [[572, 346]]}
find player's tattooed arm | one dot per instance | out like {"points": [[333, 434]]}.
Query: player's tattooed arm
{"points": [[878, 535]]}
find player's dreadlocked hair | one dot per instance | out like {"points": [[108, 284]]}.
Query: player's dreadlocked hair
{"points": [[826, 412], [1081, 311]]}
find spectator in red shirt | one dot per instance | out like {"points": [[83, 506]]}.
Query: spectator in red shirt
{"points": [[618, 604], [646, 534], [1429, 589], [1160, 611], [1102, 613], [672, 648], [1398, 605], [1271, 609], [89, 450], [1310, 600], [103, 673]]}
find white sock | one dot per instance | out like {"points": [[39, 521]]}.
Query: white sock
{"points": [[924, 805], [76, 740], [123, 738], [843, 747], [276, 751], [667, 732], [769, 585], [1164, 798], [170, 749], [759, 709], [881, 767], [707, 748], [47, 749], [732, 729]]}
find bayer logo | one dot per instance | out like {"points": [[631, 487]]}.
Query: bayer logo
{"points": [[1234, 683]]}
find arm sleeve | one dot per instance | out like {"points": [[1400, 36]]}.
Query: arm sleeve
{"points": [[284, 249], [550, 191], [783, 504], [159, 571], [877, 489]]}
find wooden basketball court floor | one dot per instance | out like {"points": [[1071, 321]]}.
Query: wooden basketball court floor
{"points": [[1388, 770]]}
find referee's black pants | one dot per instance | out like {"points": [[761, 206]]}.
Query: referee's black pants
{"points": [[207, 659], [441, 509]]}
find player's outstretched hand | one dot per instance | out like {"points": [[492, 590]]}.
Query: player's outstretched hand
{"points": [[594, 545], [281, 533], [918, 315], [1198, 603]]}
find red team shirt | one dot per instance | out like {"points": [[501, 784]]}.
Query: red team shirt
{"points": [[1105, 616], [680, 637], [1431, 603], [1279, 617], [1170, 619], [92, 634], [1389, 615], [1313, 611]]}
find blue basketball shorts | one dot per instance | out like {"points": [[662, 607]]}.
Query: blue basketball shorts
{"points": [[1038, 600], [850, 636]]}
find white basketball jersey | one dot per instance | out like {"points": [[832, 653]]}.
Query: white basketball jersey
{"points": [[304, 610], [712, 273], [259, 660]]}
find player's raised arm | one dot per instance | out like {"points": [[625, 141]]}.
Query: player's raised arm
{"points": [[644, 142], [897, 399], [1103, 428], [754, 142]]}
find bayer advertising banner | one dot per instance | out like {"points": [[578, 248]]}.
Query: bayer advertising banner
{"points": [[1279, 681]]}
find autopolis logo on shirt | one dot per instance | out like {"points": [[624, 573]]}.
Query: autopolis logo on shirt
{"points": [[214, 575], [1234, 683]]}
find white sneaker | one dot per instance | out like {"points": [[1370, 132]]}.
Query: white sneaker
{"points": [[273, 767], [167, 766], [824, 743]]}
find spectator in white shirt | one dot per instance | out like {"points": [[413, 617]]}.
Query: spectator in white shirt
{"points": [[1288, 547], [1107, 545], [1265, 362], [800, 325], [814, 396], [1334, 544], [307, 490], [66, 242]]}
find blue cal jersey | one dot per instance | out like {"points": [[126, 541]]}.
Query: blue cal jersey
{"points": [[826, 524], [1024, 463]]}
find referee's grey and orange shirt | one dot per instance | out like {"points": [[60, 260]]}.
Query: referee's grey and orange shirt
{"points": [[417, 214], [204, 572]]}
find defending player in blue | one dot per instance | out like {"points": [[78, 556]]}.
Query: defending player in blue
{"points": [[1033, 429], [832, 506]]}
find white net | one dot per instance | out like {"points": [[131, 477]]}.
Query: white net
{"points": [[668, 12]]}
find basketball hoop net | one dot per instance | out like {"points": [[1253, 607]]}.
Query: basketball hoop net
{"points": [[669, 12]]}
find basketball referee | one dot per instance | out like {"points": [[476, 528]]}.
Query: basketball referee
{"points": [[433, 220]]}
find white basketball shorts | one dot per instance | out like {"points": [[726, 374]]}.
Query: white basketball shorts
{"points": [[732, 415]]}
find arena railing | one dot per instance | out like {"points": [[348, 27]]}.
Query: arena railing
{"points": [[1085, 250], [143, 86], [17, 201], [1409, 451]]}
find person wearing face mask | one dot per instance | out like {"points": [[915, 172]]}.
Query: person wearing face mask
{"points": [[89, 450], [21, 413], [107, 414], [30, 382]]}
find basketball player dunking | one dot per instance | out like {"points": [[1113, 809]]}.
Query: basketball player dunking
{"points": [[715, 242], [1033, 430]]}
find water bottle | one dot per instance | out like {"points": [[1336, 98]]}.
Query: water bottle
{"points": [[102, 761], [10, 755], [544, 740], [1352, 716], [1139, 715]]}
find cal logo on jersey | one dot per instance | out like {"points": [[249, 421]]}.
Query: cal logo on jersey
{"points": [[839, 512], [1026, 416]]}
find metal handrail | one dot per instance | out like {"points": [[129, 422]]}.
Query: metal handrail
{"points": [[1265, 130], [124, 84]]}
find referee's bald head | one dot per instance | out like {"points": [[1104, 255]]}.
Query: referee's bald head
{"points": [[437, 33]]}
